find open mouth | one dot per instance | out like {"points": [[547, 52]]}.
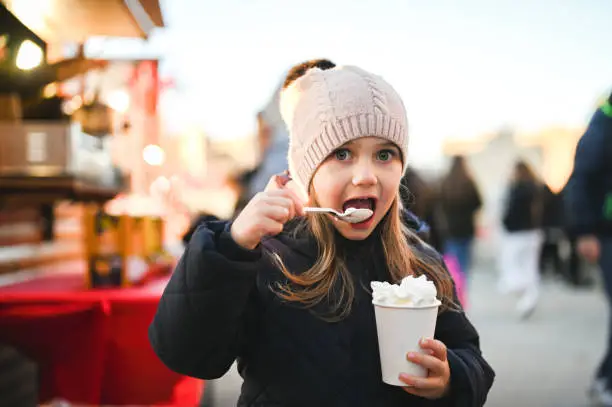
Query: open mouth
{"points": [[360, 203]]}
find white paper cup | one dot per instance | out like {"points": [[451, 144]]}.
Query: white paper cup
{"points": [[399, 330]]}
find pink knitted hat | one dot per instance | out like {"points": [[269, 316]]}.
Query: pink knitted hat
{"points": [[324, 109]]}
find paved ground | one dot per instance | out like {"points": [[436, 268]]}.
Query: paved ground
{"points": [[546, 361]]}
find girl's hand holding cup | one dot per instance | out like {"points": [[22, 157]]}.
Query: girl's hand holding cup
{"points": [[266, 213], [437, 382]]}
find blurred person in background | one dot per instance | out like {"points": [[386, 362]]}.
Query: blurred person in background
{"points": [[553, 235], [419, 198], [274, 146], [247, 181], [459, 200], [273, 138], [575, 272], [523, 239], [589, 209]]}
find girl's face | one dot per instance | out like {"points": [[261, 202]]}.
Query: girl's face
{"points": [[364, 173]]}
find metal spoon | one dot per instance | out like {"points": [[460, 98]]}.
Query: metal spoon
{"points": [[351, 215]]}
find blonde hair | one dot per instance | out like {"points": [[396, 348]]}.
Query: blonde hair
{"points": [[315, 285]]}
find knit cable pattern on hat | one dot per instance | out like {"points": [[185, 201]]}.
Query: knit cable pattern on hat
{"points": [[325, 109]]}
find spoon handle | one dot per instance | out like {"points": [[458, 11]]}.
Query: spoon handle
{"points": [[321, 210]]}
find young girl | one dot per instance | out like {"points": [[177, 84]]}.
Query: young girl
{"points": [[286, 294]]}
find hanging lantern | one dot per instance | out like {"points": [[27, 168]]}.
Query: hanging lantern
{"points": [[95, 118]]}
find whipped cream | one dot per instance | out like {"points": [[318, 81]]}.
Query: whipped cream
{"points": [[411, 292]]}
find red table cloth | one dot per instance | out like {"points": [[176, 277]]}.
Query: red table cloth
{"points": [[91, 345]]}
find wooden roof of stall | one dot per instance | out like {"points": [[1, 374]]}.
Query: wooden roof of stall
{"points": [[57, 21]]}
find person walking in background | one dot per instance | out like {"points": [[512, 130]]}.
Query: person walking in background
{"points": [[459, 200], [574, 271], [553, 234], [273, 140], [523, 239], [589, 208], [273, 143], [419, 198], [415, 193], [276, 145], [245, 181]]}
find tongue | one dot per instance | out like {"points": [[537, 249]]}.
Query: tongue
{"points": [[358, 204]]}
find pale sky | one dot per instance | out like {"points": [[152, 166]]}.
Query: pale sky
{"points": [[462, 67]]}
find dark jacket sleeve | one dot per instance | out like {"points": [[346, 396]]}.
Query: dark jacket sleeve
{"points": [[470, 375], [200, 325], [475, 198], [581, 193]]}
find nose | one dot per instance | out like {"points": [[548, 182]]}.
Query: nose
{"points": [[364, 175]]}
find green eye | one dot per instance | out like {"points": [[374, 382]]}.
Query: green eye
{"points": [[342, 154], [385, 155]]}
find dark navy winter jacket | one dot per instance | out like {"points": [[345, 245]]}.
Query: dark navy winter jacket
{"points": [[588, 194], [218, 307]]}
